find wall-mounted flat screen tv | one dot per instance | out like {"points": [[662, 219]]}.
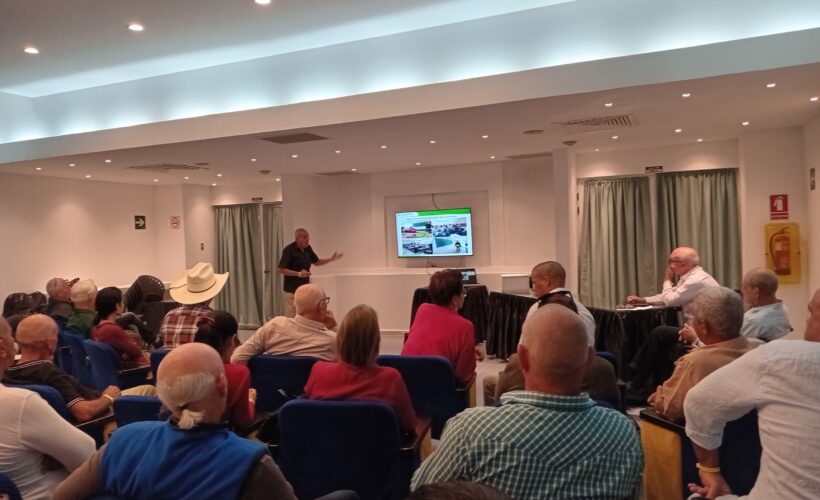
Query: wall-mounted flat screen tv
{"points": [[435, 233]]}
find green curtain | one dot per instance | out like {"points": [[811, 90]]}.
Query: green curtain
{"points": [[616, 241], [238, 251], [699, 209], [272, 226]]}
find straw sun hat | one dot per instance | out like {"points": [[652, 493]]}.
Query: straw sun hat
{"points": [[198, 284]]}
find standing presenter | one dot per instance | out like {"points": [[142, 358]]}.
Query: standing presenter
{"points": [[295, 264]]}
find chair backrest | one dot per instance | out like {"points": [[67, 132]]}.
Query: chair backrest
{"points": [[271, 374], [104, 362], [157, 356], [62, 356], [50, 395], [432, 387], [154, 312], [333, 445], [153, 289], [8, 487], [609, 357], [80, 365], [128, 409]]}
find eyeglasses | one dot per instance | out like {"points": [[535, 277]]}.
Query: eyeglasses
{"points": [[326, 300], [675, 261]]}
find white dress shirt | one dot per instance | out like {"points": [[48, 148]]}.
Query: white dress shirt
{"points": [[689, 285], [767, 322], [586, 316], [780, 380]]}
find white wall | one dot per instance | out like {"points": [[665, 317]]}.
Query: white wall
{"points": [[198, 222], [169, 250], [70, 228], [269, 191], [811, 159]]}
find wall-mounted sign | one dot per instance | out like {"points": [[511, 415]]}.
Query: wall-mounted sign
{"points": [[176, 222], [257, 199], [779, 206], [139, 222], [811, 179], [654, 169]]}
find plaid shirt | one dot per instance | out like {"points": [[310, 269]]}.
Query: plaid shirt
{"points": [[179, 326], [538, 446]]}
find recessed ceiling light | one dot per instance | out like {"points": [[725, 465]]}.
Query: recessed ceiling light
{"points": [[253, 159], [745, 124], [219, 175], [609, 104], [213, 184], [418, 163], [492, 157], [383, 146], [432, 141], [813, 99], [72, 164], [156, 180], [338, 151], [686, 95], [87, 176], [771, 85], [38, 168], [136, 27], [352, 169], [278, 179], [31, 50], [107, 161], [186, 177], [294, 156], [485, 136], [597, 149], [700, 139], [614, 137], [678, 130], [262, 2]]}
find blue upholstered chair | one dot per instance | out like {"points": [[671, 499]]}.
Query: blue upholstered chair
{"points": [[128, 409], [345, 445], [8, 488], [156, 358], [277, 379], [50, 395], [669, 460], [80, 366], [432, 387], [106, 368]]}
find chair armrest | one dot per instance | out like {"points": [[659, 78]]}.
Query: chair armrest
{"points": [[132, 377], [106, 417], [469, 390], [466, 386], [253, 428], [414, 442], [135, 371], [652, 416]]}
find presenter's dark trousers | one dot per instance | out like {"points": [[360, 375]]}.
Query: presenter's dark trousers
{"points": [[655, 360]]}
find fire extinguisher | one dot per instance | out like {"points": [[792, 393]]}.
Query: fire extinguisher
{"points": [[780, 249]]}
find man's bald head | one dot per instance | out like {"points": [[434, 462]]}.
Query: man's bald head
{"points": [[307, 298], [547, 276], [59, 289], [556, 348], [191, 383], [36, 328], [6, 346]]}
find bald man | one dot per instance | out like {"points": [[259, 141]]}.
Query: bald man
{"points": [[683, 263], [310, 333], [294, 265], [549, 439], [37, 337], [59, 304], [31, 431], [766, 317], [190, 456]]}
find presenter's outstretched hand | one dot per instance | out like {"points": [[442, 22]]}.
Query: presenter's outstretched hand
{"points": [[336, 256]]}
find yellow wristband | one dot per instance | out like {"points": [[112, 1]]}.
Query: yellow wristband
{"points": [[704, 468]]}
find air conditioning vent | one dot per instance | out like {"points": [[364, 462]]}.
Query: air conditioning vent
{"points": [[294, 138], [337, 173], [166, 167], [597, 123], [543, 154]]}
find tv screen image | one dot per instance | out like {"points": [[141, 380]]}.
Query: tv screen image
{"points": [[435, 233]]}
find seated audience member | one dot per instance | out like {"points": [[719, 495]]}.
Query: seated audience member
{"points": [[109, 306], [549, 440], [241, 401], [194, 291], [780, 381], [766, 317], [438, 329], [37, 338], [83, 295], [717, 314], [683, 263], [356, 375], [310, 333], [457, 490], [16, 307], [59, 304], [192, 455], [39, 447], [600, 381]]}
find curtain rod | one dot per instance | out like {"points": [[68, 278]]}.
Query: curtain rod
{"points": [[624, 176]]}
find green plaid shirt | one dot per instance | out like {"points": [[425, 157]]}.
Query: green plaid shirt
{"points": [[538, 446]]}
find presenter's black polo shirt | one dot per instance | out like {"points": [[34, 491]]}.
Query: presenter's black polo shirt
{"points": [[296, 259]]}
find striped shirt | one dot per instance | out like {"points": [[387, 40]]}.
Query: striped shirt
{"points": [[538, 446], [179, 326]]}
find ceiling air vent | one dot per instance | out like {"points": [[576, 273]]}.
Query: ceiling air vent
{"points": [[294, 138], [527, 156], [336, 173], [597, 123], [166, 167]]}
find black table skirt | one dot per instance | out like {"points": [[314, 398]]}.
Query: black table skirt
{"points": [[624, 332], [475, 308], [507, 314]]}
